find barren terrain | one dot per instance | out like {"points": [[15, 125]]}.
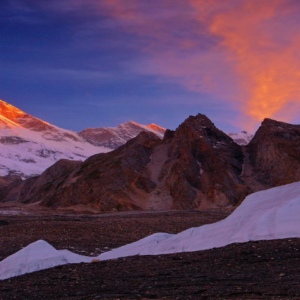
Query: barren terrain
{"points": [[255, 270]]}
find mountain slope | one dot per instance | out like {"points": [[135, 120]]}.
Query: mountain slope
{"points": [[28, 146]]}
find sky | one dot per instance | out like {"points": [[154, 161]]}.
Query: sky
{"points": [[93, 63]]}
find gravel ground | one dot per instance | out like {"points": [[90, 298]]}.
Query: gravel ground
{"points": [[255, 270]]}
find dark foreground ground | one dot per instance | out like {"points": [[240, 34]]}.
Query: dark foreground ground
{"points": [[255, 270]]}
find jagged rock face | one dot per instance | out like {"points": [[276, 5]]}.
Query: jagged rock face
{"points": [[274, 153], [114, 137], [203, 167]]}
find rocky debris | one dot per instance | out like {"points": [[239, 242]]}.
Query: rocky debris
{"points": [[256, 270], [114, 137], [93, 234], [12, 140]]}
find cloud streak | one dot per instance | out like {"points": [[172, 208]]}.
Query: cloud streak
{"points": [[264, 47], [241, 54], [245, 52]]}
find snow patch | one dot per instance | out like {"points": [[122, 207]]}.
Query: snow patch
{"points": [[37, 256], [243, 138]]}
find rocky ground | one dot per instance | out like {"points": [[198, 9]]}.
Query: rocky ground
{"points": [[255, 270]]}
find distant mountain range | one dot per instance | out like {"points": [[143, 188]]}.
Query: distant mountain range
{"points": [[197, 166], [29, 145]]}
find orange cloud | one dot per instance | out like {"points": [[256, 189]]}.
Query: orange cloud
{"points": [[268, 63], [253, 58]]}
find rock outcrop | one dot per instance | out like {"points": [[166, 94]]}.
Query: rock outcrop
{"points": [[202, 166], [274, 153]]}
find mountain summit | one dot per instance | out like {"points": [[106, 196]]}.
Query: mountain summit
{"points": [[28, 145], [11, 117]]}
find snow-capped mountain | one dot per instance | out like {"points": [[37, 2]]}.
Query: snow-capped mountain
{"points": [[29, 145], [114, 137], [243, 138]]}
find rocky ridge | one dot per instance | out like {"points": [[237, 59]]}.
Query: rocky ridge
{"points": [[195, 167]]}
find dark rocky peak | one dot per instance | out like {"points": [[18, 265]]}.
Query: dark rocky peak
{"points": [[274, 153], [277, 124], [272, 129], [200, 126]]}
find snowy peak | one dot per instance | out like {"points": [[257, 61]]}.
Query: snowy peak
{"points": [[29, 145], [243, 138], [12, 117], [114, 137], [17, 122]]}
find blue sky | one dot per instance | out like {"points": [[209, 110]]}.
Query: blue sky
{"points": [[80, 64]]}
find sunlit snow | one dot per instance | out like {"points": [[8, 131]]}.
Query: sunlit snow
{"points": [[35, 152]]}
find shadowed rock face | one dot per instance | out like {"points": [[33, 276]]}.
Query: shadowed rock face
{"points": [[195, 167], [202, 167], [275, 153], [206, 164]]}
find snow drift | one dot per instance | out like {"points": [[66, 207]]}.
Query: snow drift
{"points": [[266, 215], [37, 256]]}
